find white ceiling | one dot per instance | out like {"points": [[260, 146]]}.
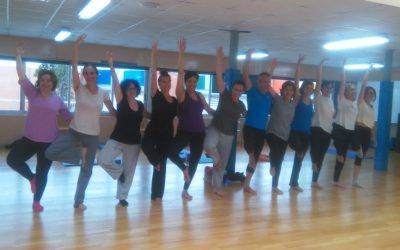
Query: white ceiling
{"points": [[283, 27]]}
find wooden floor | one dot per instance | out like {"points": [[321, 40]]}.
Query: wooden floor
{"points": [[332, 218]]}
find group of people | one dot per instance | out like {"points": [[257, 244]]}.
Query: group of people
{"points": [[289, 118]]}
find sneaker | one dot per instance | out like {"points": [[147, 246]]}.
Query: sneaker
{"points": [[37, 207], [123, 203], [33, 184]]}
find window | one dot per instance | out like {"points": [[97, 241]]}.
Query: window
{"points": [[11, 91]]}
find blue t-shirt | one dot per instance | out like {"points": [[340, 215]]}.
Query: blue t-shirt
{"points": [[302, 118], [259, 106]]}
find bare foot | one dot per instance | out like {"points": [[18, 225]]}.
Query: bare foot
{"points": [[218, 192], [249, 190], [272, 171], [186, 196], [337, 184], [296, 189], [276, 190], [316, 185], [186, 175]]}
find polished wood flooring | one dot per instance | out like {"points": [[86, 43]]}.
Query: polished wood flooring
{"points": [[332, 218]]}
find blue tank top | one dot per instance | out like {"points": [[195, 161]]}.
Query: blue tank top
{"points": [[190, 114], [302, 117]]}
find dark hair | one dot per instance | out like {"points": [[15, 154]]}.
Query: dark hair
{"points": [[125, 85], [263, 74], [304, 85], [90, 65], [238, 82], [288, 84], [369, 88], [163, 73], [325, 84], [190, 74], [52, 75]]}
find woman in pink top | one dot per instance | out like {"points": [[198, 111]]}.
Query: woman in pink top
{"points": [[41, 128]]}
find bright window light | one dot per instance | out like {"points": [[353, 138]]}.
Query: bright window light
{"points": [[356, 43], [62, 35], [254, 55], [92, 8], [362, 66]]}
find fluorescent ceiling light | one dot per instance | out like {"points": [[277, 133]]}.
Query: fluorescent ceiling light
{"points": [[92, 8], [362, 66], [255, 55], [395, 3], [356, 43], [62, 35]]}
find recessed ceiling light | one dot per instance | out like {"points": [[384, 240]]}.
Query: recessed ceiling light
{"points": [[92, 8], [63, 34], [363, 66], [259, 54], [356, 43]]}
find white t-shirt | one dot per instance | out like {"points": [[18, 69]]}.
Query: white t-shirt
{"points": [[366, 114], [347, 113], [87, 110], [323, 115]]}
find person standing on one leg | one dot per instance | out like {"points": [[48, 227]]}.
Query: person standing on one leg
{"points": [[81, 140], [321, 125], [299, 138], [41, 128], [219, 134], [259, 101], [191, 130], [343, 128], [125, 138], [282, 112], [159, 131], [365, 124]]}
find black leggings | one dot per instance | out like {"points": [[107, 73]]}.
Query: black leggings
{"points": [[156, 148], [299, 142], [319, 144], [23, 150], [364, 138], [342, 138], [181, 140], [276, 154]]}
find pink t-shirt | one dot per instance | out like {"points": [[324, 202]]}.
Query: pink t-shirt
{"points": [[41, 121]]}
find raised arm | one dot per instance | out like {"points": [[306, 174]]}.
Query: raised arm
{"points": [[246, 69], [19, 51], [75, 51], [220, 69], [363, 86], [342, 82], [274, 64], [153, 76], [117, 89], [206, 106], [317, 90], [180, 91], [297, 77]]}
